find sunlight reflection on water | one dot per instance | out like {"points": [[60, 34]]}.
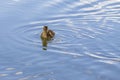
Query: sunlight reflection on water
{"points": [[86, 44]]}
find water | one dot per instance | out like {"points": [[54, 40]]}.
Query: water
{"points": [[86, 45]]}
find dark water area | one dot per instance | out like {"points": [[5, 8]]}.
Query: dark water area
{"points": [[86, 45]]}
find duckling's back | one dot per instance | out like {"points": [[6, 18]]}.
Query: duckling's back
{"points": [[51, 34]]}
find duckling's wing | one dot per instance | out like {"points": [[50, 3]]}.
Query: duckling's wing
{"points": [[51, 33]]}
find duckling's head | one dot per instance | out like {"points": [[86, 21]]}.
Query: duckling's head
{"points": [[45, 28]]}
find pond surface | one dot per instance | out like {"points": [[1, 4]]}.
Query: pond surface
{"points": [[86, 45]]}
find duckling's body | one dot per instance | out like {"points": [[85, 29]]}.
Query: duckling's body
{"points": [[47, 34]]}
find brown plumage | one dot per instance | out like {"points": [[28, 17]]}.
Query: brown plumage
{"points": [[47, 34]]}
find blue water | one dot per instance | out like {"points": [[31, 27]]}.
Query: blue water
{"points": [[86, 45]]}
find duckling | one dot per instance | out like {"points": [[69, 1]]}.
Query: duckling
{"points": [[47, 34]]}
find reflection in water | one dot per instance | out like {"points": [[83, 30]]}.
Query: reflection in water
{"points": [[44, 43]]}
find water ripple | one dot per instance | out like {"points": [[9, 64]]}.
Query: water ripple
{"points": [[85, 29]]}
